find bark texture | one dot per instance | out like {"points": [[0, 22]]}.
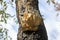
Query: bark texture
{"points": [[29, 31]]}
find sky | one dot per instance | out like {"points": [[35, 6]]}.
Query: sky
{"points": [[52, 23]]}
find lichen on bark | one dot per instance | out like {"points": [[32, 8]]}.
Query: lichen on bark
{"points": [[29, 16]]}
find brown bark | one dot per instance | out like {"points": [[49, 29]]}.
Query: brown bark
{"points": [[31, 26]]}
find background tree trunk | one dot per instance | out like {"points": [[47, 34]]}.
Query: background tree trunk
{"points": [[30, 6]]}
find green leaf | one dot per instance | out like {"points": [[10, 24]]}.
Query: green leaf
{"points": [[5, 20], [1, 20], [5, 4], [1, 29]]}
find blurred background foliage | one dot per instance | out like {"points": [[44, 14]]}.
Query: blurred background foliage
{"points": [[4, 34], [56, 4], [3, 18], [3, 15]]}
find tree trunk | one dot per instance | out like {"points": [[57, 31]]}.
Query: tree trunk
{"points": [[31, 26]]}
